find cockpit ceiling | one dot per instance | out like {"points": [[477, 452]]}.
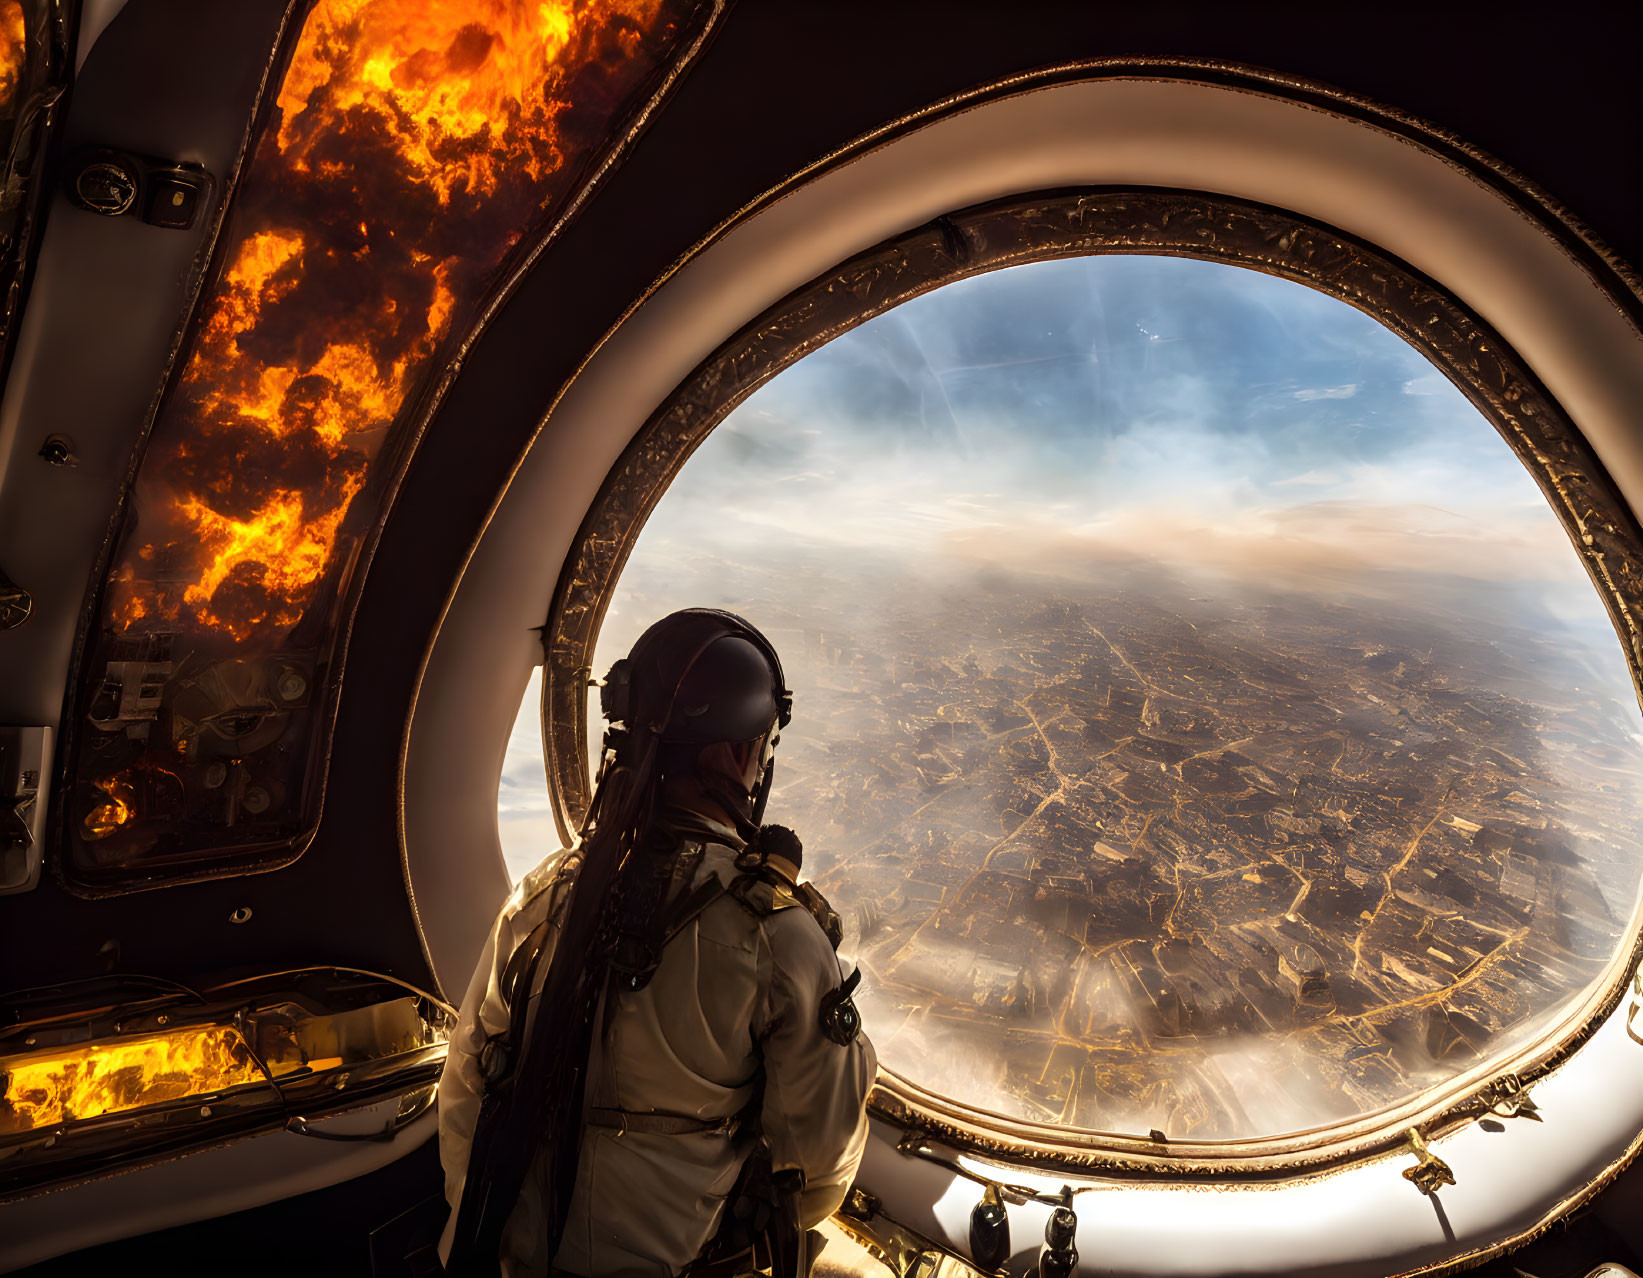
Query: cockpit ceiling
{"points": [[409, 164]]}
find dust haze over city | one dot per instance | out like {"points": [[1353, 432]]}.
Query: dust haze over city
{"points": [[1201, 720]]}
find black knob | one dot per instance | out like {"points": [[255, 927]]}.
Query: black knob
{"points": [[58, 450], [1059, 1256], [990, 1231]]}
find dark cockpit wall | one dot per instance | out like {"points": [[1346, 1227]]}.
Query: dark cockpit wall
{"points": [[404, 874]]}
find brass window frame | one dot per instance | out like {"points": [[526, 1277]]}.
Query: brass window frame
{"points": [[1138, 221]]}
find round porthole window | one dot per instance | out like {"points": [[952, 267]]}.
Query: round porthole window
{"points": [[1205, 717]]}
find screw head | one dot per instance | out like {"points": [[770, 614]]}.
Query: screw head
{"points": [[59, 450]]}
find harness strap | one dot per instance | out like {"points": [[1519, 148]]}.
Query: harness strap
{"points": [[690, 906], [496, 1053], [525, 956]]}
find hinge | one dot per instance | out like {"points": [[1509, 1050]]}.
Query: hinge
{"points": [[1431, 1173]]}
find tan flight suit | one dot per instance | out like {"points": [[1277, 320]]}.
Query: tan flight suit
{"points": [[735, 998]]}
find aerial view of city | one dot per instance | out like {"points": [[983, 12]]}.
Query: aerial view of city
{"points": [[1202, 730]]}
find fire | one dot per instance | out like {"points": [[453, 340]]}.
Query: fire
{"points": [[107, 1078], [414, 143], [13, 50], [291, 548], [443, 77], [411, 146], [116, 809]]}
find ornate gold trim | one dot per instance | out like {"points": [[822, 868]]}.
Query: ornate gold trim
{"points": [[1076, 223]]}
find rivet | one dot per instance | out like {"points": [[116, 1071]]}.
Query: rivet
{"points": [[59, 450]]}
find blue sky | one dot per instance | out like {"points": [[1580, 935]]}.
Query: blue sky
{"points": [[1063, 416], [1212, 417]]}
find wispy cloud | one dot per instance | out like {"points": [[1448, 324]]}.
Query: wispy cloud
{"points": [[1308, 479], [1027, 418], [1429, 383]]}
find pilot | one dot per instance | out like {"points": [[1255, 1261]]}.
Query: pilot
{"points": [[658, 1068]]}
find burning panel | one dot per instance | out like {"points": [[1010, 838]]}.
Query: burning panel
{"points": [[412, 154], [126, 1068], [13, 46], [88, 1081]]}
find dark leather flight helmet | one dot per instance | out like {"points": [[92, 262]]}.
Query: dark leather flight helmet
{"points": [[697, 680], [729, 694]]}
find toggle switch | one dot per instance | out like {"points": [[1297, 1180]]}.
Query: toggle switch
{"points": [[173, 198]]}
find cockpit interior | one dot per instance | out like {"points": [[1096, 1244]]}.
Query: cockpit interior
{"points": [[1188, 458]]}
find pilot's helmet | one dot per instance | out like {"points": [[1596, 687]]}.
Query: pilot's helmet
{"points": [[709, 686], [728, 694], [696, 677]]}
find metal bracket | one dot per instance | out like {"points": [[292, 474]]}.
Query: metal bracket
{"points": [[16, 604], [914, 1143], [163, 193], [1431, 1173], [903, 1251], [1507, 1097], [25, 776]]}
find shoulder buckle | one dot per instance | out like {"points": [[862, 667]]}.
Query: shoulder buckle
{"points": [[840, 1020], [827, 918]]}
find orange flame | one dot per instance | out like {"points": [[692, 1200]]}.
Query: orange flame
{"points": [[13, 50], [410, 152], [108, 1078], [291, 549], [116, 809]]}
